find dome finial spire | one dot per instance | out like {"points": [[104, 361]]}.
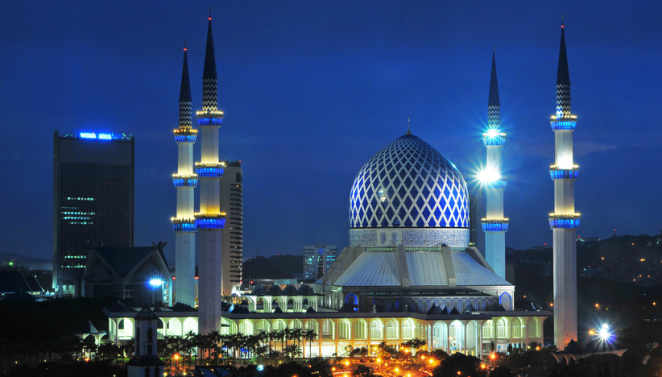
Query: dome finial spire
{"points": [[408, 126]]}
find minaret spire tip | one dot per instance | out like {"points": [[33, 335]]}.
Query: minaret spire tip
{"points": [[494, 85], [408, 126], [210, 13]]}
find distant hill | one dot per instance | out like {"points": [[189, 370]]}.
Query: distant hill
{"points": [[273, 267]]}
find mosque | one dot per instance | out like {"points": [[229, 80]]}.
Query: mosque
{"points": [[409, 271]]}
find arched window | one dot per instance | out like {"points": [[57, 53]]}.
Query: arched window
{"points": [[260, 304], [174, 327], [506, 301], [534, 330], [190, 324], [279, 325], [290, 305], [156, 372], [344, 330], [150, 334], [263, 326], [376, 329], [488, 329], [360, 330], [392, 329], [246, 327], [352, 301], [312, 325], [328, 329], [147, 371], [408, 329], [518, 325], [502, 328], [295, 324]]}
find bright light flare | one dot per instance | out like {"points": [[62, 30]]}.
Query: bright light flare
{"points": [[488, 176], [605, 333], [492, 133], [155, 282]]}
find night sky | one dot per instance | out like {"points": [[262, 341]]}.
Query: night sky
{"points": [[312, 89]]}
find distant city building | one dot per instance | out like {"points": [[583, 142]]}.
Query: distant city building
{"points": [[317, 259], [232, 203], [93, 200], [473, 221]]}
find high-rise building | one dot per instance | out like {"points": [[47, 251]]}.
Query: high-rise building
{"points": [[564, 221], [232, 203], [494, 224], [93, 201], [317, 259], [473, 221]]}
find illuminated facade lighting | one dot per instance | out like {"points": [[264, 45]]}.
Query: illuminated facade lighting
{"points": [[185, 182], [564, 221], [494, 225]]}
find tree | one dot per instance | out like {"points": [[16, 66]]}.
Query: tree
{"points": [[363, 371], [501, 371], [458, 364]]}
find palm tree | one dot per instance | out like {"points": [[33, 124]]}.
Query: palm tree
{"points": [[189, 345], [310, 335]]}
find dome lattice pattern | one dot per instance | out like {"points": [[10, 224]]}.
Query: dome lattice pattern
{"points": [[409, 184]]}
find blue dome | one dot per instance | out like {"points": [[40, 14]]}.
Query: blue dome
{"points": [[409, 184]]}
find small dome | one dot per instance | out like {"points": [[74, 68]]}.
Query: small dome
{"points": [[409, 184]]}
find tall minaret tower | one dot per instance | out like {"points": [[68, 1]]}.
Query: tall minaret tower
{"points": [[185, 181], [210, 220], [564, 221], [494, 224]]}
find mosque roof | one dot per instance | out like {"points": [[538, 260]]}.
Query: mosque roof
{"points": [[423, 268], [123, 260], [409, 184]]}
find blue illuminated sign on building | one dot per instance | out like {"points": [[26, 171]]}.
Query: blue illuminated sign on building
{"points": [[92, 135]]}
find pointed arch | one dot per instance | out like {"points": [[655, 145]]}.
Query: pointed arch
{"points": [[295, 324], [534, 329], [518, 328], [246, 327], [361, 329], [488, 329], [328, 329], [506, 301], [344, 330], [502, 328], [456, 335], [408, 329], [440, 335], [376, 329], [312, 325], [278, 325], [263, 326]]}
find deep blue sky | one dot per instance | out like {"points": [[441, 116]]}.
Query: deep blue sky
{"points": [[312, 89]]}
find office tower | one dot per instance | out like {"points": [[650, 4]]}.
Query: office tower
{"points": [[93, 201], [232, 203], [317, 259]]}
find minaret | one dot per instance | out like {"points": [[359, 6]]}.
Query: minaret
{"points": [[210, 220], [146, 361], [494, 224], [185, 181], [564, 221]]}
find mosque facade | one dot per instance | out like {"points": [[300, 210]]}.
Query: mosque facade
{"points": [[408, 272]]}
